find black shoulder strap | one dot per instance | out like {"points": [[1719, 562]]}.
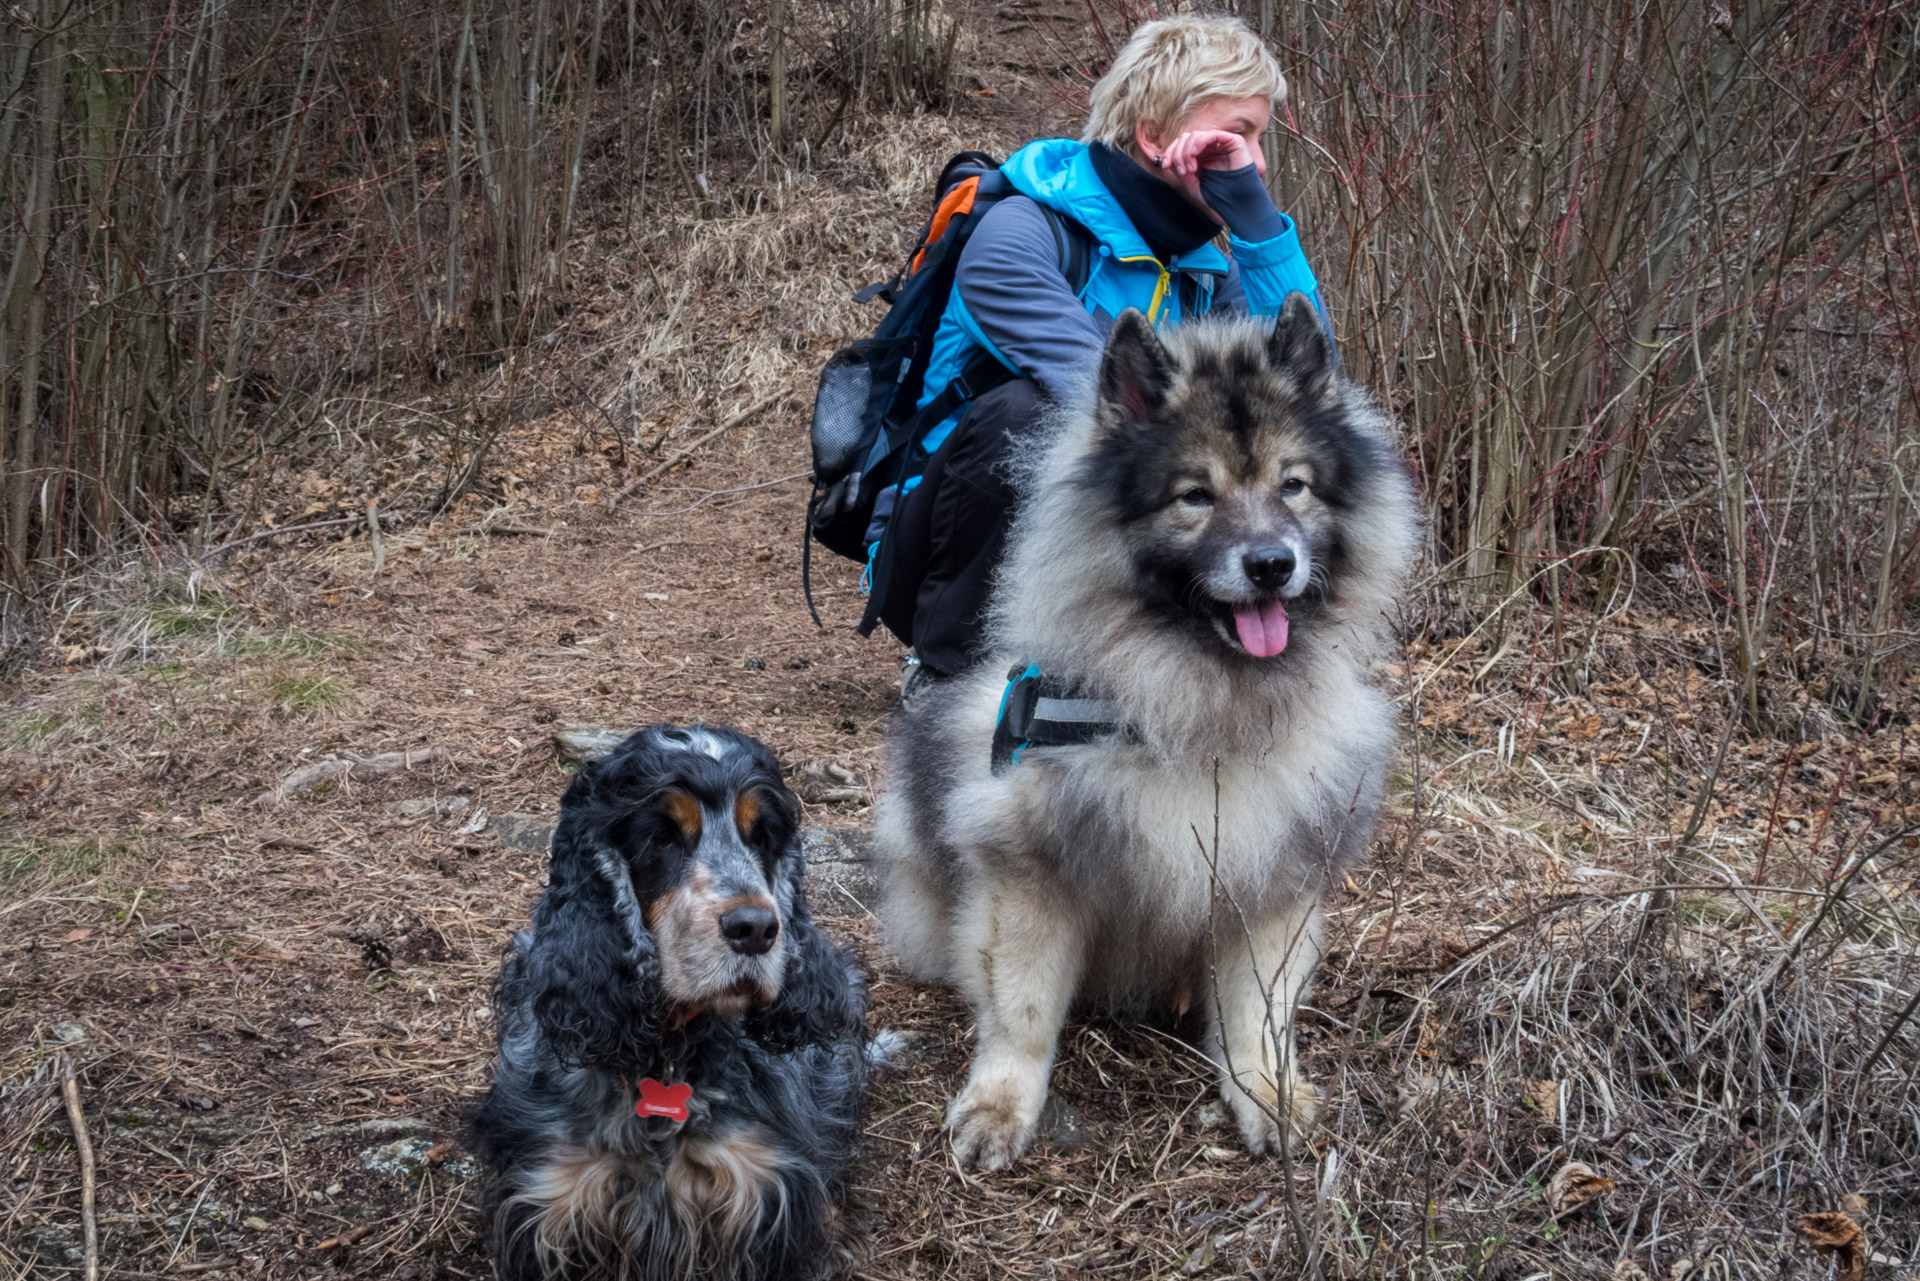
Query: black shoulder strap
{"points": [[981, 375], [1070, 244]]}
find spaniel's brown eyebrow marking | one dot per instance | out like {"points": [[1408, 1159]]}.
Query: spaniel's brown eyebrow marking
{"points": [[746, 812], [684, 811]]}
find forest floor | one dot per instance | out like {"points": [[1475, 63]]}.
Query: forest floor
{"points": [[276, 1011]]}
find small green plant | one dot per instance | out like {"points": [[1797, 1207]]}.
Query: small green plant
{"points": [[294, 644], [1702, 910], [30, 728], [170, 620], [43, 864], [305, 694]]}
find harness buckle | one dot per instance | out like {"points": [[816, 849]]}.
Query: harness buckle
{"points": [[1038, 710]]}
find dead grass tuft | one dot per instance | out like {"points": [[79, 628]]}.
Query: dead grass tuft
{"points": [[1706, 1075]]}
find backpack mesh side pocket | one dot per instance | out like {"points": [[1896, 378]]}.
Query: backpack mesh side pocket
{"points": [[849, 410]]}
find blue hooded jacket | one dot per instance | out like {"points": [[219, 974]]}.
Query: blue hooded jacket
{"points": [[1011, 300]]}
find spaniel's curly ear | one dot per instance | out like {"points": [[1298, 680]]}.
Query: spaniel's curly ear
{"points": [[822, 997], [590, 975]]}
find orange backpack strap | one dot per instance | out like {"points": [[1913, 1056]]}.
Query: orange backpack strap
{"points": [[957, 203]]}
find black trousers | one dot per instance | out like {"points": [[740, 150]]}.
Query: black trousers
{"points": [[952, 530]]}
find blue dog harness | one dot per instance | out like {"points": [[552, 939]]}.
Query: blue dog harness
{"points": [[1038, 710]]}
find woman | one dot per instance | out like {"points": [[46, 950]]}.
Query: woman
{"points": [[1170, 154]]}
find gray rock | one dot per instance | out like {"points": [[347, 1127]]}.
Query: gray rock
{"points": [[406, 1159], [430, 807], [530, 832], [839, 868], [1063, 1127], [836, 845], [578, 744]]}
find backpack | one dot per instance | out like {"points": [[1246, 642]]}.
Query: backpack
{"points": [[869, 430]]}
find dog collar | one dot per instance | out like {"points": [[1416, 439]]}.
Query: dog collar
{"points": [[1039, 710]]}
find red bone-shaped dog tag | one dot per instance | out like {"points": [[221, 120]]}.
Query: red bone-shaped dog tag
{"points": [[663, 1100]]}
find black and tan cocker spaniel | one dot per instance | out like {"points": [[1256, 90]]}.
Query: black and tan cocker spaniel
{"points": [[682, 1053]]}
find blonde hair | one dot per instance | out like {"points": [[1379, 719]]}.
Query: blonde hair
{"points": [[1172, 65]]}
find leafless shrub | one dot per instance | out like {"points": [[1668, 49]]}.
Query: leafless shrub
{"points": [[239, 235], [1639, 277], [229, 218], [1642, 281]]}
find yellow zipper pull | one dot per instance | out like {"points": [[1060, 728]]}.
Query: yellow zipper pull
{"points": [[1159, 295]]}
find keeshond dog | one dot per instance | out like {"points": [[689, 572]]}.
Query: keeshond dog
{"points": [[1213, 546]]}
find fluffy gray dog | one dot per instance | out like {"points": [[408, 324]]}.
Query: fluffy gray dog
{"points": [[1142, 798]]}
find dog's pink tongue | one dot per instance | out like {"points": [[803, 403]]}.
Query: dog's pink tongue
{"points": [[1262, 627]]}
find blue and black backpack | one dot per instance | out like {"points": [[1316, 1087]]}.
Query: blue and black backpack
{"points": [[869, 429]]}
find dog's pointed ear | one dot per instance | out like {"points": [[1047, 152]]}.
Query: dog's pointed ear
{"points": [[1298, 348], [1135, 372]]}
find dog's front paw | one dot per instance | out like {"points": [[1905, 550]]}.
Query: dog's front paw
{"points": [[1267, 1120], [992, 1125]]}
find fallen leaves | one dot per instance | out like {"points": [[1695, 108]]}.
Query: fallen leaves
{"points": [[1544, 1098], [1574, 1187], [1584, 728], [1835, 1232], [1417, 1094]]}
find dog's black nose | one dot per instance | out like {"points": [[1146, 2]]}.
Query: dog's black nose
{"points": [[1268, 568], [750, 930]]}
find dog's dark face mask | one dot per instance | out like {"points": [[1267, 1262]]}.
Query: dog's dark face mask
{"points": [[1228, 475]]}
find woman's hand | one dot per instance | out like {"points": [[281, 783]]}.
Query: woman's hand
{"points": [[1200, 149]]}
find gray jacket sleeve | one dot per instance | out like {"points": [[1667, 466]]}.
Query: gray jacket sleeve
{"points": [[1016, 303]]}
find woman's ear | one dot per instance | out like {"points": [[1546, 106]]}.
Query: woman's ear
{"points": [[1147, 140], [590, 975]]}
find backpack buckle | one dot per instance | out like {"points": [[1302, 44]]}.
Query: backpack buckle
{"points": [[837, 498]]}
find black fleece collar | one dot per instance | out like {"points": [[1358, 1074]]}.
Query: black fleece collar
{"points": [[1169, 223]]}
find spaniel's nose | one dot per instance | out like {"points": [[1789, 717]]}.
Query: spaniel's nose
{"points": [[750, 930]]}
